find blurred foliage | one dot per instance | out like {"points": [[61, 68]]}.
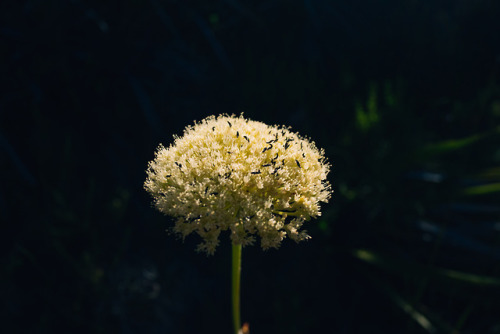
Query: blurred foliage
{"points": [[403, 95]]}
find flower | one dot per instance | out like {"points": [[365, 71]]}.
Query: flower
{"points": [[231, 173]]}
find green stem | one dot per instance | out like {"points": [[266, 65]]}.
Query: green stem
{"points": [[236, 275]]}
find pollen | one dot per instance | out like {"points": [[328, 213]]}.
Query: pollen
{"points": [[228, 173]]}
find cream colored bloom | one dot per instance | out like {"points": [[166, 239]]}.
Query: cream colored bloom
{"points": [[230, 173]]}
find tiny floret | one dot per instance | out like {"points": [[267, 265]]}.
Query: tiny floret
{"points": [[231, 173]]}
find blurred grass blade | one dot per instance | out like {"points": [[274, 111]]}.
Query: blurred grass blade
{"points": [[165, 19], [469, 278], [426, 176], [21, 167], [404, 268], [418, 317], [216, 46], [243, 10], [452, 145], [472, 208], [368, 116], [491, 173], [145, 104], [483, 189], [455, 237]]}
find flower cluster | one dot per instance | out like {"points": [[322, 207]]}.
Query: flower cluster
{"points": [[231, 173]]}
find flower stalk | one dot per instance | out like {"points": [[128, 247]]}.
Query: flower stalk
{"points": [[235, 286]]}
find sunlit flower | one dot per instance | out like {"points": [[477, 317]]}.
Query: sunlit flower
{"points": [[231, 173]]}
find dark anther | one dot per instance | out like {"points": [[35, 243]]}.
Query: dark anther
{"points": [[178, 164], [230, 125], [237, 134], [213, 128], [268, 148], [257, 172], [298, 163], [246, 138], [287, 145], [267, 165], [287, 210]]}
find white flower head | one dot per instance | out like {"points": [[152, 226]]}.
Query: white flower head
{"points": [[231, 173]]}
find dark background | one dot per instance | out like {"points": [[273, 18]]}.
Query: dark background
{"points": [[403, 95]]}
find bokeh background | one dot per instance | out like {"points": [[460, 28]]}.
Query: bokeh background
{"points": [[403, 95]]}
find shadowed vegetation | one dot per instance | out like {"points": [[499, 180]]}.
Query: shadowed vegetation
{"points": [[404, 96]]}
